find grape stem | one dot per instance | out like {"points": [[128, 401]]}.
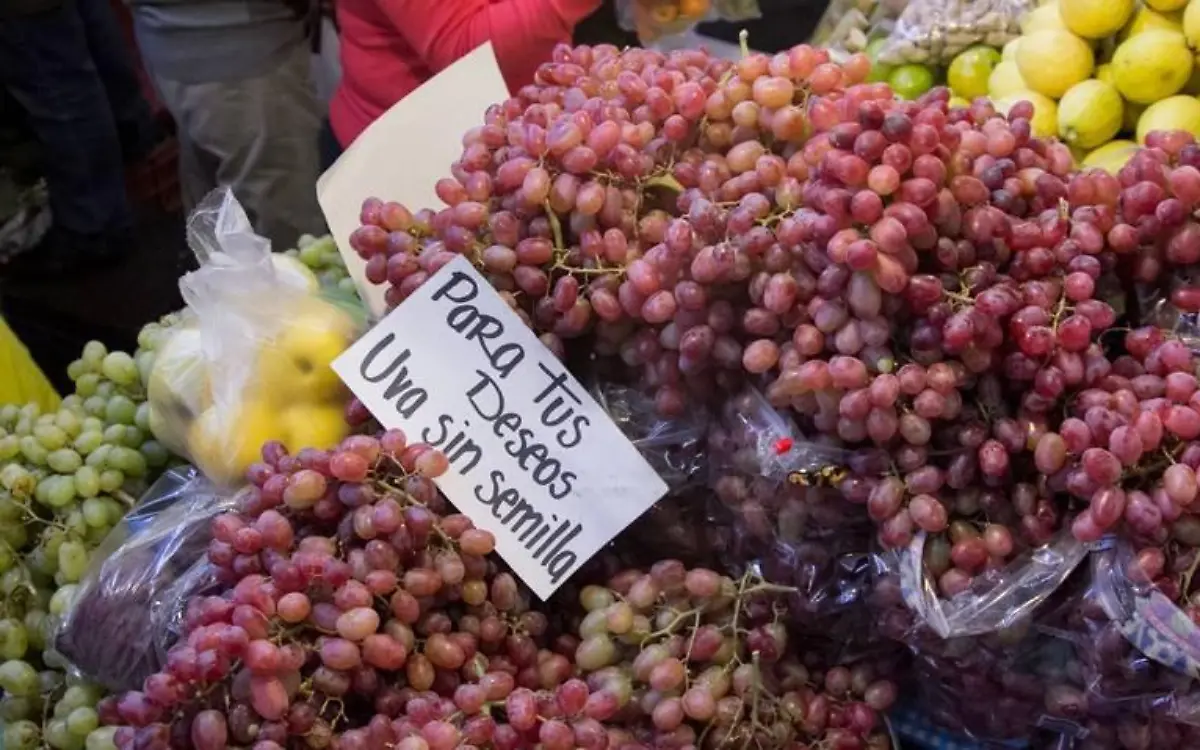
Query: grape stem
{"points": [[744, 42]]}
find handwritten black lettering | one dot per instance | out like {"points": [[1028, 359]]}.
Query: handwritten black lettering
{"points": [[531, 527], [556, 409], [409, 397], [474, 325], [533, 457], [463, 453]]}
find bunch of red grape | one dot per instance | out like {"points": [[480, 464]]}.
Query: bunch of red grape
{"points": [[358, 610]]}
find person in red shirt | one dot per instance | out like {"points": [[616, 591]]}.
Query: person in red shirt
{"points": [[390, 47]]}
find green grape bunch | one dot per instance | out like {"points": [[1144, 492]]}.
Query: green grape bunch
{"points": [[320, 255]]}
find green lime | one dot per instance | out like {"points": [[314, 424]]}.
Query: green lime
{"points": [[910, 81], [969, 72], [879, 71]]}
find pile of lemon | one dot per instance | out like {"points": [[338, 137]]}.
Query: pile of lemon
{"points": [[1101, 74]]}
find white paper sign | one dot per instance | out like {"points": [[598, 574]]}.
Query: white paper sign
{"points": [[401, 155], [533, 458]]}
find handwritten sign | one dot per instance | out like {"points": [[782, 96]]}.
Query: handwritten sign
{"points": [[533, 458]]}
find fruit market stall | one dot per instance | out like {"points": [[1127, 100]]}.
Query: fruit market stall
{"points": [[608, 422]]}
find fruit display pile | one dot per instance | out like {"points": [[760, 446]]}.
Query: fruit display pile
{"points": [[67, 477]]}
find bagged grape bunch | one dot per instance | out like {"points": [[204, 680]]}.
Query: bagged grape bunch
{"points": [[129, 606], [1138, 645], [675, 447], [933, 32], [780, 504], [252, 360], [655, 19]]}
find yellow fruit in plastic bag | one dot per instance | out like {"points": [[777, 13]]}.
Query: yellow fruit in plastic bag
{"points": [[1054, 60], [295, 365], [172, 433], [223, 442], [180, 386], [313, 426], [293, 272]]}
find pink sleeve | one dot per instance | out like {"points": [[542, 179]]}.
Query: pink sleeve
{"points": [[523, 32]]}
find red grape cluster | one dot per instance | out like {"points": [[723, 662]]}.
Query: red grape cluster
{"points": [[355, 609]]}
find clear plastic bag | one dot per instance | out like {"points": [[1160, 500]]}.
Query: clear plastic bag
{"points": [[254, 365], [933, 32], [128, 609], [676, 448], [654, 19], [850, 25]]}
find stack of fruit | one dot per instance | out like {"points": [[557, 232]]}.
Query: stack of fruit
{"points": [[1101, 74]]}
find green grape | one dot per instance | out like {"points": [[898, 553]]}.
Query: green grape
{"points": [[9, 414], [155, 454], [60, 738], [19, 678], [50, 680], [56, 491], [17, 479], [94, 512], [15, 707], [10, 446], [76, 368], [72, 404], [14, 640], [79, 695], [114, 433], [94, 353], [147, 338], [87, 442], [8, 558], [75, 523], [64, 461], [116, 511], [32, 410], [95, 535], [133, 437], [102, 739], [142, 418], [33, 451], [24, 425], [14, 535], [59, 604], [120, 410], [111, 480], [13, 580], [10, 509], [86, 385], [95, 405], [69, 421], [40, 563], [99, 457], [22, 735], [72, 560], [106, 389], [145, 365], [93, 424], [82, 720], [347, 286], [87, 482], [51, 436], [36, 624], [120, 368], [129, 461]]}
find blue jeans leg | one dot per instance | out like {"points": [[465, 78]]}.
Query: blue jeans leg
{"points": [[47, 63]]}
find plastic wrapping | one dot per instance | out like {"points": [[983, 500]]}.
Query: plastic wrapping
{"points": [[788, 506], [252, 363], [676, 448], [935, 31], [128, 609], [654, 19], [850, 25]]}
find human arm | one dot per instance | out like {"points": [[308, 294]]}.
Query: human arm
{"points": [[522, 32]]}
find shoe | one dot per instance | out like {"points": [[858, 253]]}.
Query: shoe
{"points": [[64, 255]]}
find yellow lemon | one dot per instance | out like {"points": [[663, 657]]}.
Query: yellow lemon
{"points": [[1095, 19], [1173, 113], [1044, 123], [1042, 17], [1089, 114], [1164, 6], [1004, 80], [296, 365], [1054, 60], [313, 426], [1145, 19], [223, 442], [1010, 50], [1104, 73], [1191, 24], [1111, 156], [957, 102], [1152, 65]]}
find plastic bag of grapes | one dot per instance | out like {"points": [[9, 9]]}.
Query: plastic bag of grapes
{"points": [[654, 19], [779, 503], [1173, 306], [676, 448], [259, 354], [129, 605]]}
